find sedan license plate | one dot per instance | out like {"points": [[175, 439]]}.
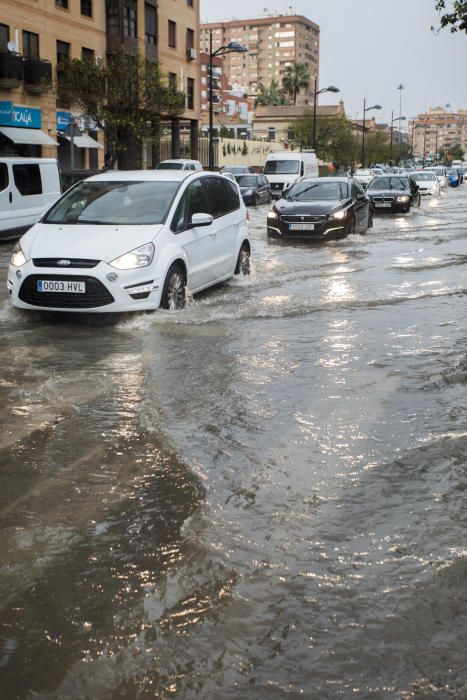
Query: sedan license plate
{"points": [[301, 227], [57, 286], [382, 204]]}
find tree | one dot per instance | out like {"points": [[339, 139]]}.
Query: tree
{"points": [[335, 140], [377, 147], [126, 97], [296, 77], [272, 95], [455, 153], [457, 19]]}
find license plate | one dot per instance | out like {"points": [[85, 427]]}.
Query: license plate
{"points": [[301, 227], [382, 204], [57, 286]]}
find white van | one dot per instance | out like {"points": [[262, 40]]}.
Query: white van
{"points": [[456, 164], [28, 186], [283, 168]]}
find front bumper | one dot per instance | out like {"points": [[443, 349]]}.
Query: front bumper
{"points": [[132, 290], [395, 207], [276, 228]]}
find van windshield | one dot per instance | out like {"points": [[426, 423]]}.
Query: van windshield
{"points": [[281, 167]]}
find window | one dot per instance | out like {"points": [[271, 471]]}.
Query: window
{"points": [[86, 8], [222, 196], [271, 133], [28, 179], [87, 54], [62, 3], [4, 36], [30, 45], [189, 3], [150, 24], [172, 34], [63, 51], [112, 18], [178, 222], [197, 202], [173, 81], [3, 176], [190, 93], [190, 39], [129, 18]]}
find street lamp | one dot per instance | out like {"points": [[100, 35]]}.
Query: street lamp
{"points": [[365, 110], [397, 119], [232, 47], [331, 88]]}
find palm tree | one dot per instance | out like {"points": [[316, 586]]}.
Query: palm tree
{"points": [[296, 78], [272, 95]]}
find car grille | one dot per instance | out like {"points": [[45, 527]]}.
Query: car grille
{"points": [[277, 186], [73, 262], [303, 218], [96, 294], [383, 199]]}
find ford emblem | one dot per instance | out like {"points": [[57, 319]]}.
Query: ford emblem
{"points": [[63, 263]]}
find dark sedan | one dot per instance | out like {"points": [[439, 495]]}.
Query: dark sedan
{"points": [[255, 189], [315, 209], [393, 193]]}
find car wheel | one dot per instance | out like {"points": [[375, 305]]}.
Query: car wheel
{"points": [[174, 293], [243, 261]]}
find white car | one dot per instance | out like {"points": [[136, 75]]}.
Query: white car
{"points": [[441, 173], [179, 164], [132, 241], [427, 182], [365, 175]]}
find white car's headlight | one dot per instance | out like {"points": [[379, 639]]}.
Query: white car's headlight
{"points": [[338, 214], [404, 198], [139, 257], [272, 215], [18, 258]]}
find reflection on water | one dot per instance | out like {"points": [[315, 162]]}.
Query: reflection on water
{"points": [[260, 497]]}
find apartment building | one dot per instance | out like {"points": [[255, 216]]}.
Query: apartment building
{"points": [[273, 43], [438, 129], [35, 35]]}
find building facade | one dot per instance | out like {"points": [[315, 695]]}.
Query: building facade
{"points": [[436, 130], [274, 123], [35, 35], [273, 43]]}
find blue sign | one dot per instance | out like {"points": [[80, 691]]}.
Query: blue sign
{"points": [[63, 119], [13, 115]]}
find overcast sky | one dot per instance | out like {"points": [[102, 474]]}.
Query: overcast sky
{"points": [[369, 47]]}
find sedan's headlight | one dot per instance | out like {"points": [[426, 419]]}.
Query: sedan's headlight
{"points": [[404, 198], [338, 214], [272, 215], [139, 257], [18, 258]]}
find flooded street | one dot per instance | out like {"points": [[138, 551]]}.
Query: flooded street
{"points": [[260, 497]]}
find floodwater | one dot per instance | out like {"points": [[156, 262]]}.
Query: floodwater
{"points": [[260, 497]]}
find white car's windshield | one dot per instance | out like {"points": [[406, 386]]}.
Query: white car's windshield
{"points": [[101, 202], [424, 176], [281, 167], [169, 166], [363, 171]]}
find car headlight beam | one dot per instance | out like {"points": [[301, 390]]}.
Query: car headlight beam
{"points": [[339, 215], [18, 258], [139, 257], [272, 215]]}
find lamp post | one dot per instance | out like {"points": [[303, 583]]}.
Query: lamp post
{"points": [[232, 47], [365, 110], [331, 88], [397, 119]]}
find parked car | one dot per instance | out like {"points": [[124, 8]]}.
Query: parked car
{"points": [[284, 168], [427, 182], [316, 209], [238, 169], [132, 240], [255, 189], [393, 193], [365, 175], [179, 164], [69, 178], [28, 186]]}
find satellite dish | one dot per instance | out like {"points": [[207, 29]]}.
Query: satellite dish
{"points": [[11, 46]]}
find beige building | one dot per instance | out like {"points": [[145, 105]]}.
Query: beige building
{"points": [[273, 123], [36, 34], [273, 43], [438, 129]]}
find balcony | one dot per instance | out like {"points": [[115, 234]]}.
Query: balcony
{"points": [[11, 70], [37, 75]]}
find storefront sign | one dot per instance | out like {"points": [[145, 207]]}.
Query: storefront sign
{"points": [[14, 115], [63, 119]]}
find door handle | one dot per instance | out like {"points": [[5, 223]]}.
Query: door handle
{"points": [[10, 197]]}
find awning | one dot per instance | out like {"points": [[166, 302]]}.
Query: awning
{"points": [[84, 141], [34, 137]]}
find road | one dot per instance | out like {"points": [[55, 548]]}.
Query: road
{"points": [[260, 497]]}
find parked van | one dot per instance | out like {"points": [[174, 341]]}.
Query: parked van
{"points": [[28, 186], [283, 168]]}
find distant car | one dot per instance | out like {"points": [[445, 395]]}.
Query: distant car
{"points": [[229, 176], [454, 179], [440, 172], [315, 209], [255, 189], [427, 182], [238, 169], [365, 175], [132, 241], [179, 164], [68, 178], [393, 193]]}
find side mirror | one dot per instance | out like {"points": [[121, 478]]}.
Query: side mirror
{"points": [[200, 219]]}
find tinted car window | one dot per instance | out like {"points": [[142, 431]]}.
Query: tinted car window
{"points": [[355, 190], [179, 219], [28, 179], [3, 176], [216, 194], [197, 201], [231, 193], [389, 183], [247, 180]]}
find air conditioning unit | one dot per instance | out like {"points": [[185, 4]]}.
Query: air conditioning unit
{"points": [[191, 54]]}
